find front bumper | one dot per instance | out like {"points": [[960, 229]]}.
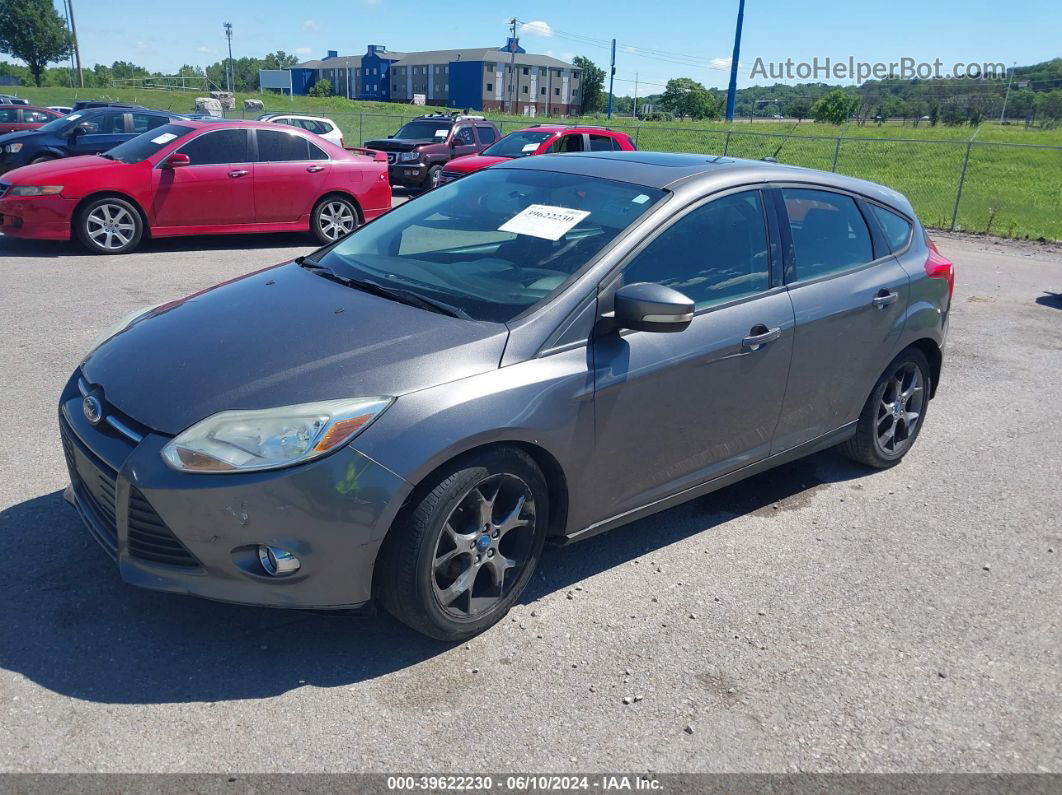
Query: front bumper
{"points": [[198, 534], [37, 217], [408, 175]]}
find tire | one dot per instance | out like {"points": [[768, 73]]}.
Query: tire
{"points": [[109, 225], [887, 429], [333, 218], [444, 583], [431, 179]]}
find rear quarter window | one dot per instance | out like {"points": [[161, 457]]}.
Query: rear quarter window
{"points": [[897, 229]]}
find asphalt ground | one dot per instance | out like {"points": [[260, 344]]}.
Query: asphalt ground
{"points": [[820, 617]]}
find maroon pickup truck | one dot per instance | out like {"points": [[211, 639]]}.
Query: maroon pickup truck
{"points": [[417, 153]]}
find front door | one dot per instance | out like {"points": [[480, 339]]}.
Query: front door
{"points": [[216, 189], [675, 410], [289, 175], [850, 297]]}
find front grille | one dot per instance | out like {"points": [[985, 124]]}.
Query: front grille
{"points": [[95, 483], [150, 539]]}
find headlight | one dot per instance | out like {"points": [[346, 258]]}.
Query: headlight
{"points": [[405, 157], [12, 148], [121, 325], [35, 190], [247, 441]]}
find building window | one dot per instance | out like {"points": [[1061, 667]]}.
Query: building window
{"points": [[543, 91], [525, 70], [490, 67], [575, 92], [556, 92], [490, 86], [524, 89]]}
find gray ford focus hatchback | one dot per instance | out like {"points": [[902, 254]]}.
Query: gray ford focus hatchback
{"points": [[543, 350]]}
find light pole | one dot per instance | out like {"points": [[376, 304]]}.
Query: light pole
{"points": [[731, 94], [73, 35], [229, 76], [512, 68]]}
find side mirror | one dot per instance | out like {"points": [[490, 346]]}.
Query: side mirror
{"points": [[77, 131], [652, 307], [177, 160]]}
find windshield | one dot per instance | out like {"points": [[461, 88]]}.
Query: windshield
{"points": [[425, 129], [138, 149], [479, 245], [58, 125], [517, 144]]}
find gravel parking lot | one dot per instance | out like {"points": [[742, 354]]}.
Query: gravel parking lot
{"points": [[820, 617]]}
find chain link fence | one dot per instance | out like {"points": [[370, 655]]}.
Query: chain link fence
{"points": [[1006, 189]]}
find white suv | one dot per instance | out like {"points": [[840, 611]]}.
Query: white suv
{"points": [[326, 128]]}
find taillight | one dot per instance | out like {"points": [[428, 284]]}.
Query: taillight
{"points": [[940, 267]]}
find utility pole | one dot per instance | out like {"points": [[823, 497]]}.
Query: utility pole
{"points": [[1006, 96], [611, 77], [512, 65], [635, 109], [549, 88], [230, 77], [731, 94], [77, 49]]}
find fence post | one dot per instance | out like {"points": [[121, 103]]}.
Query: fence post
{"points": [[726, 144], [836, 154], [637, 132], [962, 179], [361, 129]]}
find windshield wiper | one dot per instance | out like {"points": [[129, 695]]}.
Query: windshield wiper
{"points": [[407, 297]]}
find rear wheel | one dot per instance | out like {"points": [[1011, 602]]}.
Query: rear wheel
{"points": [[456, 562], [333, 217], [109, 225], [893, 414]]}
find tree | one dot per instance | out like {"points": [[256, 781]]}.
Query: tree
{"points": [[835, 108], [684, 97], [322, 88], [279, 60], [32, 31], [798, 109], [593, 83], [934, 114], [1049, 104]]}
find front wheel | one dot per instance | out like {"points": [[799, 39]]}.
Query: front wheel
{"points": [[893, 414], [456, 562], [334, 217], [431, 179], [109, 226]]}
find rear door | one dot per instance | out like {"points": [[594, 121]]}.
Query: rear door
{"points": [[850, 298], [290, 173], [99, 132], [216, 189]]}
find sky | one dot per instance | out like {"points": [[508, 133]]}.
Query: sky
{"points": [[655, 40]]}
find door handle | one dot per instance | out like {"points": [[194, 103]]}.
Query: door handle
{"points": [[314, 169], [238, 173], [885, 298], [759, 336]]}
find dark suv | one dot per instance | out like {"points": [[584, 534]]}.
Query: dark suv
{"points": [[78, 133], [419, 150]]}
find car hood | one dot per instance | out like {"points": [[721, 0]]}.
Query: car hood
{"points": [[64, 166], [470, 163], [11, 137], [279, 337]]}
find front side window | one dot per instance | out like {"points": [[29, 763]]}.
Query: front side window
{"points": [[477, 245], [9, 115], [218, 147], [103, 124], [567, 143], [897, 228], [713, 254], [465, 137], [829, 233]]}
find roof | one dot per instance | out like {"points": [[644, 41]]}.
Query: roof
{"points": [[710, 172], [476, 54]]}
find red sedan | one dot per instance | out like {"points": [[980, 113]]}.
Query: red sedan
{"points": [[197, 178], [540, 139], [15, 118]]}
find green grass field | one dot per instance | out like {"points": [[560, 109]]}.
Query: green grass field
{"points": [[1009, 190]]}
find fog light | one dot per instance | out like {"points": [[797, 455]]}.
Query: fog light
{"points": [[277, 562]]}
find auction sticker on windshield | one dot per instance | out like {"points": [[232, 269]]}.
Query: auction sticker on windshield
{"points": [[165, 138], [543, 220]]}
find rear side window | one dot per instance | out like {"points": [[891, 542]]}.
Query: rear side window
{"points": [[142, 122], [281, 147], [897, 228], [486, 134], [218, 147], [600, 143], [716, 253], [8, 114], [829, 233], [311, 126]]}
